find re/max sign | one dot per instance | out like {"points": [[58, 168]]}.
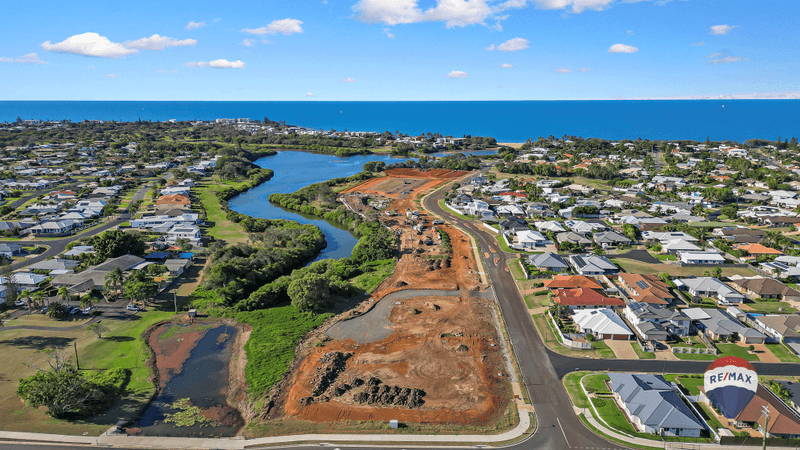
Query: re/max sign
{"points": [[730, 376]]}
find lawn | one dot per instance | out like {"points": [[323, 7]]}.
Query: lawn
{"points": [[457, 214], [783, 353], [665, 257], [725, 350], [516, 269], [767, 307], [633, 266], [552, 341], [691, 383], [121, 347], [218, 224], [641, 353], [537, 301]]}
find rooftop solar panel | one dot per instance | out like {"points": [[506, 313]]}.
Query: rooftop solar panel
{"points": [[642, 284]]}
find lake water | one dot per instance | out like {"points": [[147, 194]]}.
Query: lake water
{"points": [[295, 170], [204, 380]]}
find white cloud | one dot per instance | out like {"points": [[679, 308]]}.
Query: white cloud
{"points": [[457, 74], [216, 64], [563, 70], [166, 71], [490, 48], [248, 42], [698, 44], [726, 59], [156, 42], [721, 29], [513, 45], [349, 80], [91, 67], [90, 44], [629, 32], [578, 6], [622, 48], [714, 55], [30, 58], [283, 26], [389, 34], [585, 69], [111, 75], [266, 41], [455, 13], [310, 95], [506, 66], [192, 25]]}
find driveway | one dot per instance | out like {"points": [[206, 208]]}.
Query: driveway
{"points": [[622, 349]]}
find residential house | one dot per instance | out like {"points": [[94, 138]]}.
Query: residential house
{"points": [[761, 287], [607, 239], [572, 281], [705, 258], [55, 227], [783, 422], [177, 267], [602, 323], [710, 287], [579, 226], [548, 262], [530, 239], [655, 322], [94, 276], [549, 225], [50, 265], [719, 325], [585, 298], [573, 238], [758, 250], [592, 265], [25, 280], [740, 235], [189, 232], [513, 224], [646, 288], [653, 406], [781, 221], [510, 210], [160, 221], [675, 246], [663, 236], [780, 327], [79, 250], [10, 249]]}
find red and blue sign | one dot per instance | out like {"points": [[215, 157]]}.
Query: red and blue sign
{"points": [[730, 384]]}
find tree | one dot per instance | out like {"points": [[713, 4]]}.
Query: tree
{"points": [[139, 289], [63, 294], [380, 244], [56, 310], [10, 282], [717, 272], [63, 392], [309, 293], [114, 279], [87, 301], [98, 329], [115, 243]]}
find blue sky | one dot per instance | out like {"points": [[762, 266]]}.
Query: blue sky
{"points": [[399, 50]]}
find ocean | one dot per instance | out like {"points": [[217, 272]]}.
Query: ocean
{"points": [[734, 120]]}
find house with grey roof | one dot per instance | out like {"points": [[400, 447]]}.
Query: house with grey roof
{"points": [[573, 238], [10, 249], [548, 261], [592, 265], [653, 406], [710, 287], [655, 322], [780, 327], [719, 325], [608, 239], [94, 277], [54, 264]]}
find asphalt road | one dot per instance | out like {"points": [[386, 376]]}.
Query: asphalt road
{"points": [[58, 246]]}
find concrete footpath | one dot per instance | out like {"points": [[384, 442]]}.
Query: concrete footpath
{"points": [[110, 439]]}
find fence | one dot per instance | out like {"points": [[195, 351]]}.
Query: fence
{"points": [[569, 340], [695, 351]]}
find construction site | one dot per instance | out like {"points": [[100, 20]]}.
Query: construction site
{"points": [[424, 348]]}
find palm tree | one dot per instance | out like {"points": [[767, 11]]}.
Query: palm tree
{"points": [[63, 293], [86, 301], [115, 279], [37, 298], [26, 295]]}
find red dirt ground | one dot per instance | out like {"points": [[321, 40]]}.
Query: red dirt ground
{"points": [[449, 350]]}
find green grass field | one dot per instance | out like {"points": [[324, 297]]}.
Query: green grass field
{"points": [[770, 307], [641, 353], [633, 266], [783, 353], [221, 228]]}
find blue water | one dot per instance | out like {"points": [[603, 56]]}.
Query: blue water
{"points": [[295, 170], [507, 121]]}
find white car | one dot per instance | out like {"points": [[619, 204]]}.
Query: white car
{"points": [[132, 307], [20, 303]]}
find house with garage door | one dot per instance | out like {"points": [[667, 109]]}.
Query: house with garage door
{"points": [[710, 287], [602, 323], [653, 406]]}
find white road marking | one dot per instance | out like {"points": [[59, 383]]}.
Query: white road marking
{"points": [[562, 432]]}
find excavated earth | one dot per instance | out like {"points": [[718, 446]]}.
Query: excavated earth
{"points": [[441, 362]]}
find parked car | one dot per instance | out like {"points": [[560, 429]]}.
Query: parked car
{"points": [[74, 310], [132, 307], [20, 303]]}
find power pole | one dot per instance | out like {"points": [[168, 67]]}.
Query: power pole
{"points": [[765, 410], [77, 362], [175, 300]]}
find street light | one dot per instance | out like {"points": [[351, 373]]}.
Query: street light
{"points": [[765, 410]]}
